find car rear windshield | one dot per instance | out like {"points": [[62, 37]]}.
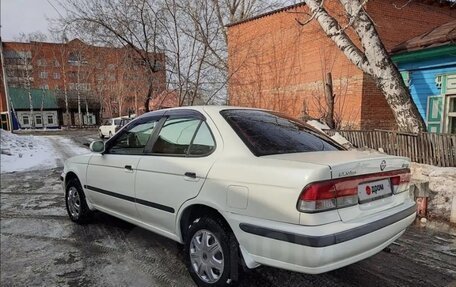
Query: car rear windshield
{"points": [[267, 133]]}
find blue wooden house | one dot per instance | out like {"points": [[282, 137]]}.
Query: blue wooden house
{"points": [[428, 66]]}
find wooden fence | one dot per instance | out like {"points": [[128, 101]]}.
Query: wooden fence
{"points": [[428, 148]]}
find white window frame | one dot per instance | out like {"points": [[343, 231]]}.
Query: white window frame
{"points": [[447, 115], [28, 120], [42, 62], [52, 122], [43, 75], [36, 120]]}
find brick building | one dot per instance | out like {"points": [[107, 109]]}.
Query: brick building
{"points": [[278, 64], [4, 118], [99, 82]]}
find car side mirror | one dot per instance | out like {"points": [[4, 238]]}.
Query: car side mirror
{"points": [[97, 146]]}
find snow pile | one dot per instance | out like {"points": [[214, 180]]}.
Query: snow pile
{"points": [[337, 137], [20, 153], [318, 125], [26, 152], [442, 187], [69, 145]]}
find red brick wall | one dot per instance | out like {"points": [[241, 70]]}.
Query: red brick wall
{"points": [[114, 73], [3, 106], [277, 64], [375, 112], [396, 25]]}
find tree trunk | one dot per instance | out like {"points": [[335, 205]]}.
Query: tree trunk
{"points": [[43, 123], [148, 98], [28, 87], [79, 95], [384, 72], [330, 101], [374, 60], [332, 29]]}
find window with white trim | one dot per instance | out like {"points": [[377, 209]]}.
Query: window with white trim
{"points": [[50, 119], [38, 120], [25, 120]]}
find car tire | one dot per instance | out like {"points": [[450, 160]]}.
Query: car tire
{"points": [[219, 255], [101, 135], [110, 134], [75, 202]]}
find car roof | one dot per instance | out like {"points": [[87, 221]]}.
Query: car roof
{"points": [[208, 109]]}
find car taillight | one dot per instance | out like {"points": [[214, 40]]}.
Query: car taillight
{"points": [[401, 182], [327, 195], [343, 192]]}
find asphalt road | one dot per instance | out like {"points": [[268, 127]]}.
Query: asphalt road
{"points": [[40, 246]]}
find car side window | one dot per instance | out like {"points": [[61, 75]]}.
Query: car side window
{"points": [[133, 139], [203, 143], [176, 136]]}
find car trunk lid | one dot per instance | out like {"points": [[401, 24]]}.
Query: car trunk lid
{"points": [[375, 177]]}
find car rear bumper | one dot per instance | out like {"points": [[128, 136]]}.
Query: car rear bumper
{"points": [[319, 249]]}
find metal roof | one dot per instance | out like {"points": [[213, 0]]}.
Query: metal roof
{"points": [[442, 35], [266, 14], [450, 4], [20, 99]]}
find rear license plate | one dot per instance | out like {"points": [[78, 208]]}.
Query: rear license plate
{"points": [[374, 190]]}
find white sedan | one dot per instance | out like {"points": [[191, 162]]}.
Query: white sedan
{"points": [[243, 187]]}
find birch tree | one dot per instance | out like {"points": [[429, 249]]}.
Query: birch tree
{"points": [[63, 53], [26, 59], [372, 57], [209, 19], [192, 34], [132, 24], [60, 58]]}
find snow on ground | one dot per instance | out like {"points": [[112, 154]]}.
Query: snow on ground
{"points": [[20, 153], [39, 130], [71, 147], [28, 152]]}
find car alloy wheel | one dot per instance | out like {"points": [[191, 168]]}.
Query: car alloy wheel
{"points": [[74, 202], [206, 256]]}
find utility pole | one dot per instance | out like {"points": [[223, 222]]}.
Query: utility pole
{"points": [[5, 86]]}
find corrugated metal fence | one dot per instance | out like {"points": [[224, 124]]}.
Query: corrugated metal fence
{"points": [[428, 148]]}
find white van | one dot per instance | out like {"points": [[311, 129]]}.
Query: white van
{"points": [[111, 126]]}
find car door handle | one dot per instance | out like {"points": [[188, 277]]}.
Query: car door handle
{"points": [[128, 167], [190, 174]]}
